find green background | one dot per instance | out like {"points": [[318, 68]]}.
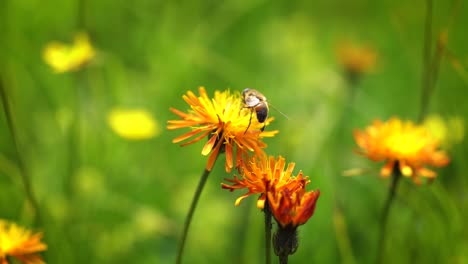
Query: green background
{"points": [[104, 199]]}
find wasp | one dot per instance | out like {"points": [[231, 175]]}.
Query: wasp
{"points": [[257, 102]]}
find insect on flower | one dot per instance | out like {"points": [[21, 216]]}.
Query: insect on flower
{"points": [[255, 100]]}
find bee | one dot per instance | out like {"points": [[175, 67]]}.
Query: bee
{"points": [[257, 102]]}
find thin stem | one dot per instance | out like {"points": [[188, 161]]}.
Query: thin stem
{"points": [[385, 213], [283, 258], [242, 235], [81, 15], [22, 166], [426, 72], [267, 212], [188, 219]]}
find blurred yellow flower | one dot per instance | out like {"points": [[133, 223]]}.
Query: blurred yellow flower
{"points": [[404, 146], [133, 124], [63, 57], [20, 243], [448, 131], [224, 121]]}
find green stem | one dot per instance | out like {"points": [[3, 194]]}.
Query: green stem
{"points": [[21, 163], [426, 72], [267, 213], [188, 219], [242, 235], [385, 213], [81, 15]]}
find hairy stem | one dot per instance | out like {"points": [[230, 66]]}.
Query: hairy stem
{"points": [[267, 213], [283, 258], [188, 219]]}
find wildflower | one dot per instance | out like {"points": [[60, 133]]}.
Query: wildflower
{"points": [[133, 124], [63, 57], [19, 243], [224, 121], [263, 174], [356, 60], [293, 207], [405, 147], [290, 210], [448, 131], [284, 193]]}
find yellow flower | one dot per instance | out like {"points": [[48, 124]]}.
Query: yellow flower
{"points": [[63, 57], [262, 174], [133, 124], [224, 121], [448, 131], [20, 243], [404, 146]]}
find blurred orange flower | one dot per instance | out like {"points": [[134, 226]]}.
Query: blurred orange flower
{"points": [[223, 120], [355, 59], [20, 243], [62, 57], [404, 146]]}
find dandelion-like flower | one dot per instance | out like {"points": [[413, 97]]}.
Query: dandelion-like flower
{"points": [[225, 122], [20, 243], [62, 57], [262, 174], [404, 146], [133, 124]]}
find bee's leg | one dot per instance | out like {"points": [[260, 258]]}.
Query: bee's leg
{"points": [[250, 121], [263, 128]]}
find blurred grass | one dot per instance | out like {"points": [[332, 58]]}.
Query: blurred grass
{"points": [[108, 200]]}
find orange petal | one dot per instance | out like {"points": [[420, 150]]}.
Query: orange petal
{"points": [[209, 145], [427, 173], [239, 200], [186, 135], [196, 139], [387, 170], [229, 154], [214, 155]]}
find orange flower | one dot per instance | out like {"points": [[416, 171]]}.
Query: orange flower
{"points": [[20, 243], [262, 174], [404, 146], [356, 60], [224, 121], [293, 208]]}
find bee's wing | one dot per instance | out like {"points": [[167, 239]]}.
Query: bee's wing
{"points": [[252, 101]]}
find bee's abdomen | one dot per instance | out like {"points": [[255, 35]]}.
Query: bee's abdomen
{"points": [[262, 113]]}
